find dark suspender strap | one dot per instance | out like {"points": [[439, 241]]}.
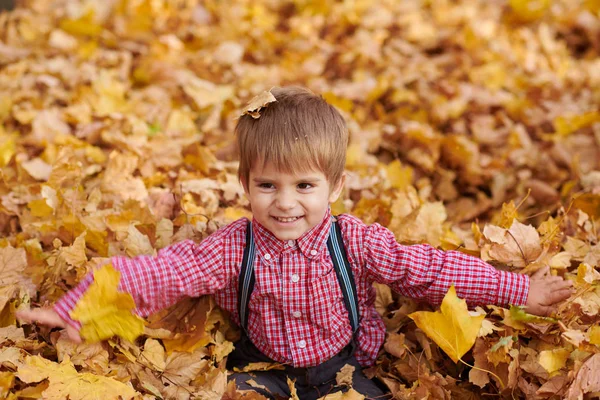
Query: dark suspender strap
{"points": [[246, 283], [344, 273]]}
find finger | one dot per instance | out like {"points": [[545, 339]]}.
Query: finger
{"points": [[44, 317], [559, 284], [557, 295], [73, 334], [541, 272]]}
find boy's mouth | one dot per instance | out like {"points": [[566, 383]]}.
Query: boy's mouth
{"points": [[287, 219]]}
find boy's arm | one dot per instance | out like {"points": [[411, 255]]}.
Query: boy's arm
{"points": [[423, 272], [182, 269]]}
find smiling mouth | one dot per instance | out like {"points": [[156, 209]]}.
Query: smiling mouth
{"points": [[287, 219]]}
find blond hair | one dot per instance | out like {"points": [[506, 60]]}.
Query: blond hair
{"points": [[297, 133]]}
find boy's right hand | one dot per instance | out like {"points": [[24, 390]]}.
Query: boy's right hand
{"points": [[50, 318]]}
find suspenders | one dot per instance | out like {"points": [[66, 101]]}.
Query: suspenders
{"points": [[340, 263]]}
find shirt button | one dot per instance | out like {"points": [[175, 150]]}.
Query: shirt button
{"points": [[295, 278], [313, 252], [290, 243], [302, 344], [297, 314], [267, 257]]}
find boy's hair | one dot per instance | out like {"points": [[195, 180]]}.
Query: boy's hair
{"points": [[297, 133]]}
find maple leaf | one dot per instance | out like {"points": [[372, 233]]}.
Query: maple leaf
{"points": [[104, 311], [66, 382], [517, 246], [452, 328]]}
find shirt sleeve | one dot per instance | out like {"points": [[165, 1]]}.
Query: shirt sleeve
{"points": [[182, 269], [426, 273]]}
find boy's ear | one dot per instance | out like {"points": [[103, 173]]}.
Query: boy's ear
{"points": [[336, 190]]}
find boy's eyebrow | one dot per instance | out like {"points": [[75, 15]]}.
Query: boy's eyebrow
{"points": [[310, 179]]}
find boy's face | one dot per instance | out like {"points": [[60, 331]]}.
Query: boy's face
{"points": [[287, 204]]}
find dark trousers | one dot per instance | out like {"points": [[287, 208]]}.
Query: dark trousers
{"points": [[311, 382]]}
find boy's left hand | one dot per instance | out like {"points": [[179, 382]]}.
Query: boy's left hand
{"points": [[545, 291]]}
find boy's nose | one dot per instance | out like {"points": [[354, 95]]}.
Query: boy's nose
{"points": [[285, 201]]}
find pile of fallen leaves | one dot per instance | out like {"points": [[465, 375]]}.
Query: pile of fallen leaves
{"points": [[474, 126]]}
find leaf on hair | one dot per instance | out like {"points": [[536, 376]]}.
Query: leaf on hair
{"points": [[258, 103]]}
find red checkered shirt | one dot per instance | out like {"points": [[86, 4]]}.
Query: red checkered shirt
{"points": [[297, 313]]}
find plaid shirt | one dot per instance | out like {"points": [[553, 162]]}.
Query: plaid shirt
{"points": [[297, 313]]}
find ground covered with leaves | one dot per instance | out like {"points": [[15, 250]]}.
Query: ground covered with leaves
{"points": [[474, 126]]}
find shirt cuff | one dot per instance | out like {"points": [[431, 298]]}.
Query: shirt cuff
{"points": [[513, 289], [67, 303], [63, 309]]}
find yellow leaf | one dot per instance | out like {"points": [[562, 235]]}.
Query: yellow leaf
{"points": [[399, 176], [39, 208], [7, 149], [594, 334], [452, 328], [7, 380], [565, 125], [293, 391], [104, 311], [529, 10], [553, 360], [589, 203], [66, 382]]}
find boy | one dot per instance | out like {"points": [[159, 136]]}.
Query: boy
{"points": [[304, 311]]}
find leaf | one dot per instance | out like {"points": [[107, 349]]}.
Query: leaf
{"points": [[519, 246], [181, 368], [260, 366], [529, 10], [452, 328], [153, 355], [38, 169], [104, 311], [66, 382], [293, 391], [137, 243], [7, 149], [75, 254], [517, 313], [12, 263], [344, 376], [259, 101], [587, 379], [399, 177], [553, 360]]}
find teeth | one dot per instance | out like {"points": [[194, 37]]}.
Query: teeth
{"points": [[292, 219]]}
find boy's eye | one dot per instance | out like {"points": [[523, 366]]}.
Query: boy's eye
{"points": [[265, 185], [304, 185]]}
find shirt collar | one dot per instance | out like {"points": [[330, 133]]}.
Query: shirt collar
{"points": [[311, 243]]}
